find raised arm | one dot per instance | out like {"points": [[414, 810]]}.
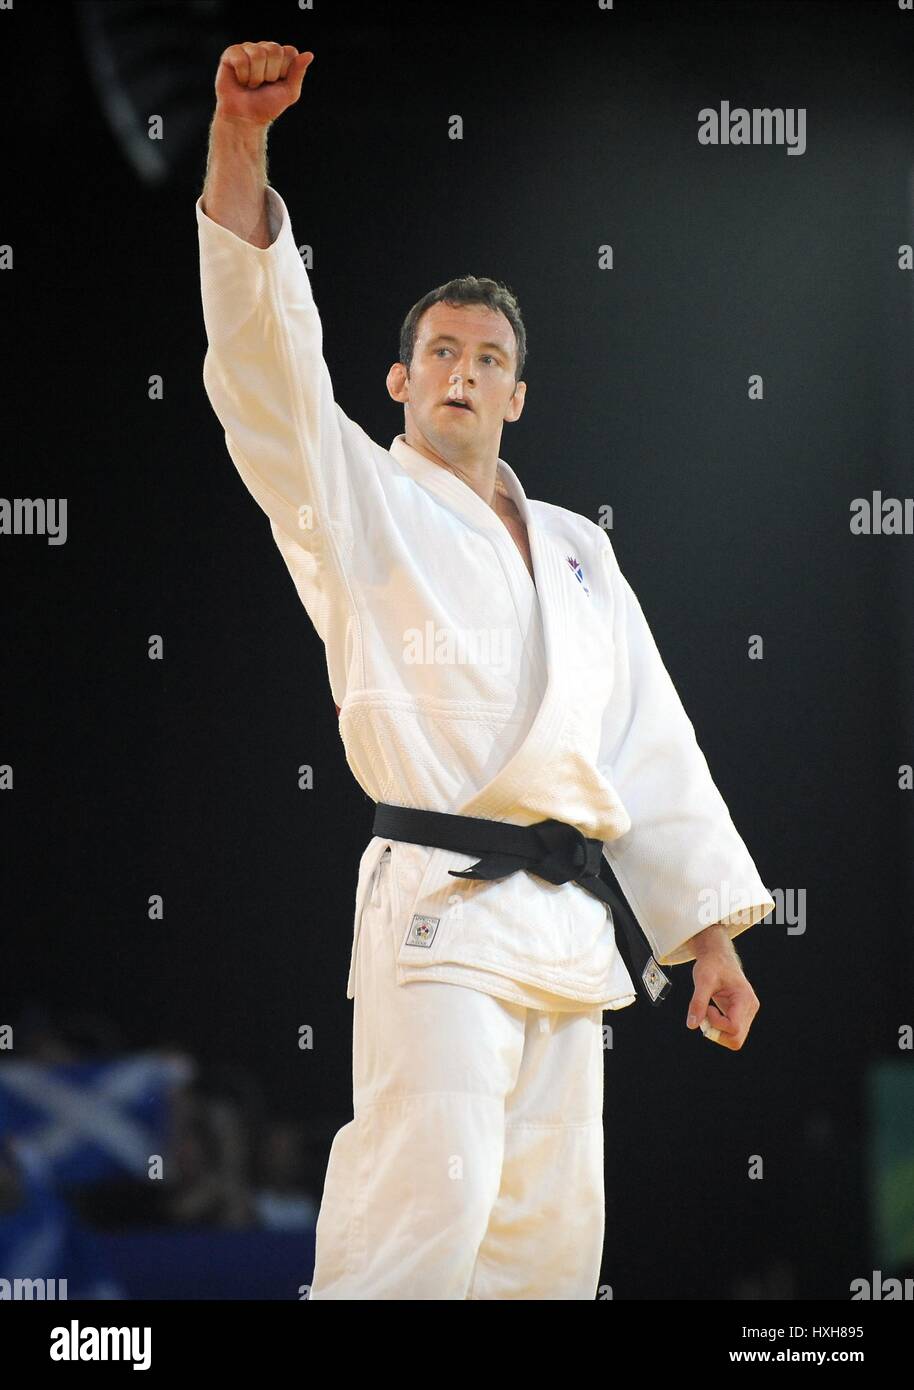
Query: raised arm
{"points": [[255, 83], [313, 471]]}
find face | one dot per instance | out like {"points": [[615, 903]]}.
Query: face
{"points": [[476, 344]]}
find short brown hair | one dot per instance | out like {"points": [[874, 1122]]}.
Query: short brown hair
{"points": [[467, 289]]}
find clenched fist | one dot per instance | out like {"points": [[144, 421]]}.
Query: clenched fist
{"points": [[257, 81]]}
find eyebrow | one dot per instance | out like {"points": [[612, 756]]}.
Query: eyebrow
{"points": [[449, 338]]}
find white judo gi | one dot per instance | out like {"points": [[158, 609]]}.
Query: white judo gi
{"points": [[473, 1166]]}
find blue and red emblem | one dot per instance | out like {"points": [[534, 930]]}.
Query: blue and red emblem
{"points": [[579, 573]]}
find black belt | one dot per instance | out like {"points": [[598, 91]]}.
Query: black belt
{"points": [[551, 849]]}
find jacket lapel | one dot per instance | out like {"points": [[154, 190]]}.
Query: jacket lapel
{"points": [[503, 795]]}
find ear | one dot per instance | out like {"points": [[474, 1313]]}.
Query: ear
{"points": [[398, 383], [516, 403]]}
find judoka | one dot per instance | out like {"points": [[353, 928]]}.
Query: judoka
{"points": [[473, 1165]]}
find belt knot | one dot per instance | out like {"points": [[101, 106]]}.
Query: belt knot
{"points": [[569, 854]]}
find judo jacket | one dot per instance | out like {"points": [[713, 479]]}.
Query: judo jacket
{"points": [[462, 685]]}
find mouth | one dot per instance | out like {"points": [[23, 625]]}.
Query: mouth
{"points": [[459, 405]]}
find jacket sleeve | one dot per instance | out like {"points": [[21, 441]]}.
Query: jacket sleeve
{"points": [[682, 864], [311, 469]]}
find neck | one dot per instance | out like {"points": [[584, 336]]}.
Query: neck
{"points": [[480, 472]]}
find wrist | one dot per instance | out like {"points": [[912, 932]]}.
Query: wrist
{"points": [[238, 128], [713, 938]]}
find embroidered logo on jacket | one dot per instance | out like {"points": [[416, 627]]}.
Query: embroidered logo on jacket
{"points": [[578, 572], [422, 931]]}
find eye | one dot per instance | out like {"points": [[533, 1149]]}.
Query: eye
{"points": [[439, 349], [489, 355]]}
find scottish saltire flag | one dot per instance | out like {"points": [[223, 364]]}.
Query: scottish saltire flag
{"points": [[92, 1120], [41, 1241]]}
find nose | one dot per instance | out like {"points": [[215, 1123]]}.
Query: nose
{"points": [[457, 389]]}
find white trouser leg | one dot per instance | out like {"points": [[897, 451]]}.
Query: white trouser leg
{"points": [[413, 1177], [545, 1234]]}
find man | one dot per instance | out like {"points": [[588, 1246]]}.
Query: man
{"points": [[494, 674]]}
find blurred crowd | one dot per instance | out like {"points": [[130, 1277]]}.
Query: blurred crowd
{"points": [[81, 1116]]}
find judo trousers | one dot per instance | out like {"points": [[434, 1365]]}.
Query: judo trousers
{"points": [[473, 1165]]}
